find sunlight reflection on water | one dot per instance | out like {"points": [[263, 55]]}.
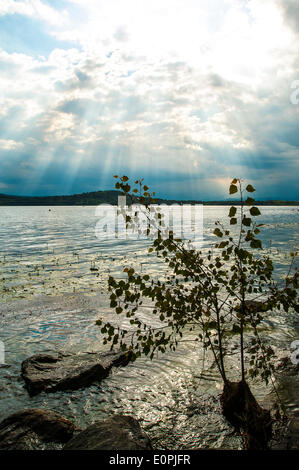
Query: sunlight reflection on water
{"points": [[51, 253]]}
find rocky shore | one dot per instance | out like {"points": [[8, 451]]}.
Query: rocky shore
{"points": [[36, 429], [42, 429]]}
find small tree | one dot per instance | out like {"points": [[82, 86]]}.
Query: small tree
{"points": [[214, 294]]}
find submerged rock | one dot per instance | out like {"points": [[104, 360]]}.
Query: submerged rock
{"points": [[57, 371], [30, 429], [117, 433]]}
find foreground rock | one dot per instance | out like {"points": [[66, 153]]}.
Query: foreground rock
{"points": [[241, 409], [31, 429], [287, 434], [293, 434], [116, 433], [57, 371]]}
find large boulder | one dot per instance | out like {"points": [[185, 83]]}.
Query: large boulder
{"points": [[34, 429], [58, 371], [117, 433]]}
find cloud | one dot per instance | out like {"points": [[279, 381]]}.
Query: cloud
{"points": [[34, 9], [290, 10], [121, 34], [10, 144], [210, 103]]}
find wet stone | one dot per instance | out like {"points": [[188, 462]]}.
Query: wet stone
{"points": [[59, 371], [120, 432], [35, 429]]}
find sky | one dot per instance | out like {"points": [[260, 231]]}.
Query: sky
{"points": [[187, 94]]}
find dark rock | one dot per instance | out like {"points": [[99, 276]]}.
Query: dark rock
{"points": [[116, 433], [242, 410], [287, 434], [57, 371], [30, 429], [293, 435]]}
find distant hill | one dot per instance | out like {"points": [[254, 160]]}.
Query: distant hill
{"points": [[110, 197], [84, 199]]}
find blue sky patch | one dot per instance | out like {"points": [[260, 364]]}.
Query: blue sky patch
{"points": [[25, 35]]}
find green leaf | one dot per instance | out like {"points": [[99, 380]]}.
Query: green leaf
{"points": [[234, 181], [249, 201], [233, 189], [246, 221], [236, 328], [233, 221], [256, 244], [218, 232], [232, 212], [126, 188], [254, 211], [250, 188]]}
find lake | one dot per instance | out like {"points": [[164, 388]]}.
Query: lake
{"points": [[54, 272]]}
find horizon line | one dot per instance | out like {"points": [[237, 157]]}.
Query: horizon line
{"points": [[158, 198]]}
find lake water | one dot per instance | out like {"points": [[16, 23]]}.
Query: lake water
{"points": [[50, 299]]}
